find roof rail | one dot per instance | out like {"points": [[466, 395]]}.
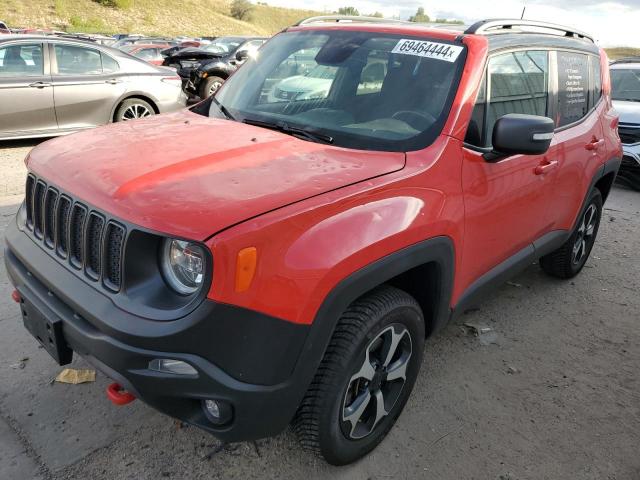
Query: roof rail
{"points": [[487, 27], [345, 18]]}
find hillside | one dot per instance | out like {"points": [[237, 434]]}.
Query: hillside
{"points": [[621, 52], [159, 17]]}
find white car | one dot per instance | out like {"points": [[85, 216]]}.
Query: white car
{"points": [[625, 84]]}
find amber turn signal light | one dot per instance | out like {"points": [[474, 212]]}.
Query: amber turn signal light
{"points": [[245, 268]]}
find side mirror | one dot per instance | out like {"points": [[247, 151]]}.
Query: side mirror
{"points": [[517, 134], [242, 55]]}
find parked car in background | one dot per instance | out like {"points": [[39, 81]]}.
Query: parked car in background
{"points": [[625, 82], [224, 55], [147, 52], [52, 86], [143, 40], [251, 263]]}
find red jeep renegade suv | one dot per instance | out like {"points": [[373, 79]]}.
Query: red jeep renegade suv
{"points": [[277, 254]]}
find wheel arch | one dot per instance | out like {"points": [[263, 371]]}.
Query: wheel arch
{"points": [[129, 96]]}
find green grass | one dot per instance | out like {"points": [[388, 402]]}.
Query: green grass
{"points": [[151, 17]]}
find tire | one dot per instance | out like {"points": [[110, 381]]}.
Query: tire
{"points": [[210, 86], [132, 109], [328, 421], [569, 259]]}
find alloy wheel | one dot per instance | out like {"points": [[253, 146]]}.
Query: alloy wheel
{"points": [[134, 111], [585, 235], [374, 389], [215, 86]]}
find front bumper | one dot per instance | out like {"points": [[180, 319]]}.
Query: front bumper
{"points": [[243, 358]]}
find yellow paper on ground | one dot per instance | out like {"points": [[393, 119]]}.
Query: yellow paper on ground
{"points": [[73, 376]]}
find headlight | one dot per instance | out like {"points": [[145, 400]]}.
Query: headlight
{"points": [[183, 265], [21, 217]]}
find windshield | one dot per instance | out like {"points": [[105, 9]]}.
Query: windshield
{"points": [[223, 45], [625, 84], [363, 90]]}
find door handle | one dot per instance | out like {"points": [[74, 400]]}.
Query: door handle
{"points": [[545, 167], [40, 85], [112, 81], [594, 144]]}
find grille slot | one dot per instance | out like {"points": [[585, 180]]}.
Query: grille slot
{"points": [[38, 199], [95, 226], [629, 134], [76, 234], [49, 217], [62, 221], [29, 199], [85, 238], [114, 241]]}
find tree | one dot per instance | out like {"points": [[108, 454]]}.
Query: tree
{"points": [[420, 16], [377, 15], [352, 11], [241, 9]]}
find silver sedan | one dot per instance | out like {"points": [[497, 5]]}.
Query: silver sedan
{"points": [[52, 86]]}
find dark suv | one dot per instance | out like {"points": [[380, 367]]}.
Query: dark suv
{"points": [[204, 69], [257, 261]]}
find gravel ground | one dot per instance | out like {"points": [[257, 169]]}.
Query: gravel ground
{"points": [[552, 392]]}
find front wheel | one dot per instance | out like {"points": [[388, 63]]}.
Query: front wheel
{"points": [[210, 86], [365, 377], [568, 260]]}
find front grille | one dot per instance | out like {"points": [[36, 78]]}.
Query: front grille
{"points": [[85, 238], [629, 133]]}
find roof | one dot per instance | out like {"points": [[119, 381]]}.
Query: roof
{"points": [[501, 34]]}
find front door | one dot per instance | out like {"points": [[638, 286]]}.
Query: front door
{"points": [[507, 203], [26, 94]]}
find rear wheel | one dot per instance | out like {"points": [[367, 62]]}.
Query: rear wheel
{"points": [[365, 377], [210, 86], [568, 260], [132, 109]]}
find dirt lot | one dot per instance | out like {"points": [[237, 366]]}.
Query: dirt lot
{"points": [[553, 392]]}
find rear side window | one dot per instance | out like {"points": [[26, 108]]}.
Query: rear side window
{"points": [[573, 87], [516, 82], [109, 65], [596, 81], [74, 60], [23, 60]]}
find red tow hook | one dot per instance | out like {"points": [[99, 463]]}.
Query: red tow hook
{"points": [[118, 395], [16, 296]]}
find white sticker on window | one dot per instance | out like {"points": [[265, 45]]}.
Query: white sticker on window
{"points": [[441, 51]]}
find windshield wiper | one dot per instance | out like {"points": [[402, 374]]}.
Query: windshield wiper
{"points": [[223, 109], [291, 130]]}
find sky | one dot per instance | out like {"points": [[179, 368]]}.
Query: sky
{"points": [[613, 23]]}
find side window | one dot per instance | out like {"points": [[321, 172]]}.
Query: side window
{"points": [[518, 83], [109, 65], [23, 60], [573, 87], [373, 73], [74, 60], [596, 81]]}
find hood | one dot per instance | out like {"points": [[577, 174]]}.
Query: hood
{"points": [[193, 53], [191, 176], [629, 111]]}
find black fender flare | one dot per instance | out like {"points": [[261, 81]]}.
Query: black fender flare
{"points": [[438, 250]]}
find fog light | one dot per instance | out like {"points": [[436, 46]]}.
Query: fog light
{"points": [[217, 412], [168, 365]]}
